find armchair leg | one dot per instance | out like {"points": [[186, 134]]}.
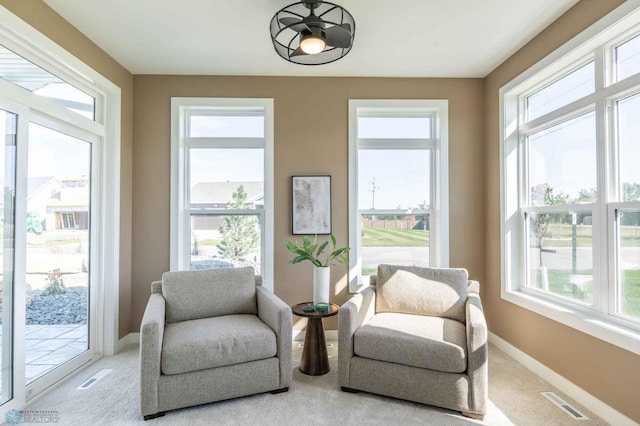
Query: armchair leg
{"points": [[473, 416], [349, 390], [154, 416], [274, 392]]}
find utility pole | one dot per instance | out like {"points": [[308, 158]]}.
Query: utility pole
{"points": [[574, 240], [373, 189]]}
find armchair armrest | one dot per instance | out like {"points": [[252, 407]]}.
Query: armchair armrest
{"points": [[352, 315], [151, 335], [156, 287], [277, 315], [477, 350]]}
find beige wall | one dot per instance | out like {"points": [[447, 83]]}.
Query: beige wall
{"points": [[606, 371], [311, 137], [40, 16]]}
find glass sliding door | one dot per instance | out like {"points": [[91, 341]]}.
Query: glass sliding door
{"points": [[8, 130], [57, 250], [59, 214]]}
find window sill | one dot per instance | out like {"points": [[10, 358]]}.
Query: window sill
{"points": [[592, 325]]}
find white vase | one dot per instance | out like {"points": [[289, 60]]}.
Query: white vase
{"points": [[321, 275]]}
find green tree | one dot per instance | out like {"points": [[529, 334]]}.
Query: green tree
{"points": [[540, 221], [240, 234], [587, 195], [630, 191]]}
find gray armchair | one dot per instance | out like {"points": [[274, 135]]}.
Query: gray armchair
{"points": [[212, 335], [417, 334]]}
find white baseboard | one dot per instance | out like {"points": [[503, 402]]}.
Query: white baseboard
{"points": [[601, 409], [128, 340], [329, 335]]}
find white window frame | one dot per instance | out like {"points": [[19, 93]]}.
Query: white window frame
{"points": [[181, 108], [595, 43], [104, 134], [437, 143]]}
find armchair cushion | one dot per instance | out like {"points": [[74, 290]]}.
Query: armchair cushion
{"points": [[193, 295], [215, 342], [418, 341], [422, 291]]}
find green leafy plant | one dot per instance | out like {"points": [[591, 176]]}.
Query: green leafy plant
{"points": [[315, 253], [55, 283]]}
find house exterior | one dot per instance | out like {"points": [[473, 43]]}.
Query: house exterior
{"points": [[40, 190], [216, 195], [59, 203]]}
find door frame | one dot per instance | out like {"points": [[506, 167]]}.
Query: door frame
{"points": [[37, 48]]}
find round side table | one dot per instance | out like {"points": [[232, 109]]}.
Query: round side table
{"points": [[315, 360]]}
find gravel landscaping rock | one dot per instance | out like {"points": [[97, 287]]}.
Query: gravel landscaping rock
{"points": [[67, 308]]}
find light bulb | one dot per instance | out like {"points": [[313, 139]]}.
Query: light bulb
{"points": [[312, 44]]}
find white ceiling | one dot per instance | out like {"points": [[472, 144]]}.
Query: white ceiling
{"points": [[394, 38]]}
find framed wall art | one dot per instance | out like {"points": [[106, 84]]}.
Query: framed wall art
{"points": [[311, 205]]}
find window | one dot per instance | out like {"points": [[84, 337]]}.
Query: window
{"points": [[398, 185], [59, 216], [575, 85], [571, 183], [17, 70], [222, 189]]}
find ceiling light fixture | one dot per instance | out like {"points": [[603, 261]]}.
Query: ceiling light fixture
{"points": [[312, 45], [312, 32]]}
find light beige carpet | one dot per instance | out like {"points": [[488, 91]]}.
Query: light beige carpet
{"points": [[513, 390]]}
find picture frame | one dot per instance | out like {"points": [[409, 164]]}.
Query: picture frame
{"points": [[311, 205]]}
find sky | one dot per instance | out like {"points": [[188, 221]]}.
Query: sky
{"points": [[629, 125], [53, 153], [391, 179], [226, 126], [221, 165], [563, 156], [4, 116], [401, 178], [574, 86], [628, 58]]}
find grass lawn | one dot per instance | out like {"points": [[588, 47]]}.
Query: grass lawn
{"points": [[64, 241], [210, 242], [561, 236], [631, 293], [376, 237], [584, 242], [369, 271], [567, 242], [559, 283]]}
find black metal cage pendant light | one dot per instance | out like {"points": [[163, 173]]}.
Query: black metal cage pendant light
{"points": [[312, 32]]}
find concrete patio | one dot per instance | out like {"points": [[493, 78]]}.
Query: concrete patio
{"points": [[48, 346]]}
